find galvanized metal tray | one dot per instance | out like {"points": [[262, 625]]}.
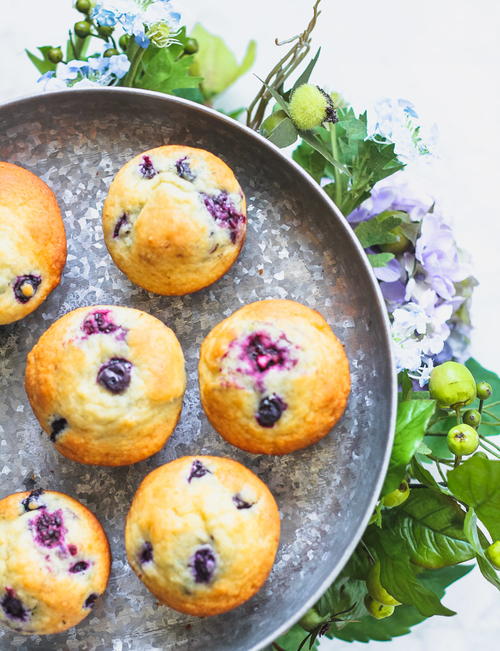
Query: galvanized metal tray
{"points": [[299, 247]]}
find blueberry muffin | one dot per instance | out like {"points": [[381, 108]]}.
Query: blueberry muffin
{"points": [[174, 220], [32, 242], [106, 384], [202, 534], [54, 562], [273, 377]]}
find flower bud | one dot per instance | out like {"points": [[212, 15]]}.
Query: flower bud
{"points": [[452, 384], [310, 107], [462, 439]]}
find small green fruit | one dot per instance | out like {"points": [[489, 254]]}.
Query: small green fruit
{"points": [[105, 30], [452, 384], [462, 439], [310, 107], [82, 28], [83, 6], [111, 52], [191, 46], [311, 620], [55, 54], [472, 417], [398, 496], [124, 41], [493, 553], [377, 609], [376, 590], [484, 390], [401, 244]]}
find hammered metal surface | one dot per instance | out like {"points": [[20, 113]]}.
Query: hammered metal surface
{"points": [[297, 248]]}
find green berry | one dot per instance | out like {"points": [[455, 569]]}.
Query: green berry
{"points": [[191, 46], [398, 496], [111, 52], [401, 244], [105, 30], [82, 28], [493, 553], [484, 390], [83, 6], [377, 609], [271, 122], [310, 107], [472, 417], [462, 439], [55, 54], [124, 41], [311, 620], [452, 384], [376, 590]]}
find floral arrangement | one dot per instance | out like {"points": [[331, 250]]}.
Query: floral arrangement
{"points": [[440, 503]]}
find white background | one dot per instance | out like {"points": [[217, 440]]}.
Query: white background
{"points": [[443, 55]]}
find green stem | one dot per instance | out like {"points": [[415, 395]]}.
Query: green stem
{"points": [[458, 459], [485, 447], [447, 462], [440, 471], [134, 67], [458, 414], [336, 173], [480, 409], [491, 414], [487, 440], [493, 404]]}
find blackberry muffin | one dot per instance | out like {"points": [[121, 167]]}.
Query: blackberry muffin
{"points": [[54, 562], [32, 242], [273, 377], [174, 220], [202, 534], [106, 383]]}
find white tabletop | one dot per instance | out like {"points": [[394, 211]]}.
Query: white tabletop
{"points": [[443, 55]]}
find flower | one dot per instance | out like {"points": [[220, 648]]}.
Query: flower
{"points": [[96, 72]]}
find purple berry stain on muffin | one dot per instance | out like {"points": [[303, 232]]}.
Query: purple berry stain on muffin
{"points": [[146, 168], [203, 564], [99, 321], [90, 600], [81, 566], [119, 225], [270, 410], [146, 553], [49, 528], [114, 375], [240, 503], [31, 503], [57, 426], [197, 470], [184, 170], [13, 607], [73, 550], [263, 353], [224, 212], [25, 287]]}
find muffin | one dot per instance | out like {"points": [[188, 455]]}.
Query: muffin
{"points": [[273, 377], [174, 220], [54, 562], [32, 242], [106, 383], [202, 534]]}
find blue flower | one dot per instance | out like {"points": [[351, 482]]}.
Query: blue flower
{"points": [[118, 65]]}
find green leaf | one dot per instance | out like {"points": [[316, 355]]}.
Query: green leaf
{"points": [[422, 475], [293, 638], [411, 423], [472, 533], [315, 143], [377, 230], [345, 594], [304, 77], [404, 617], [477, 483], [164, 71], [215, 62], [379, 259], [284, 134], [480, 374], [432, 526], [43, 65]]}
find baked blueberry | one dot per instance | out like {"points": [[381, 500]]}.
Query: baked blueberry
{"points": [[224, 212], [119, 224], [81, 566], [25, 287], [99, 321], [30, 503], [203, 564], [114, 375], [197, 470], [270, 410], [184, 169], [264, 352], [146, 554], [90, 600], [56, 427], [49, 528], [13, 606], [240, 503], [146, 167]]}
